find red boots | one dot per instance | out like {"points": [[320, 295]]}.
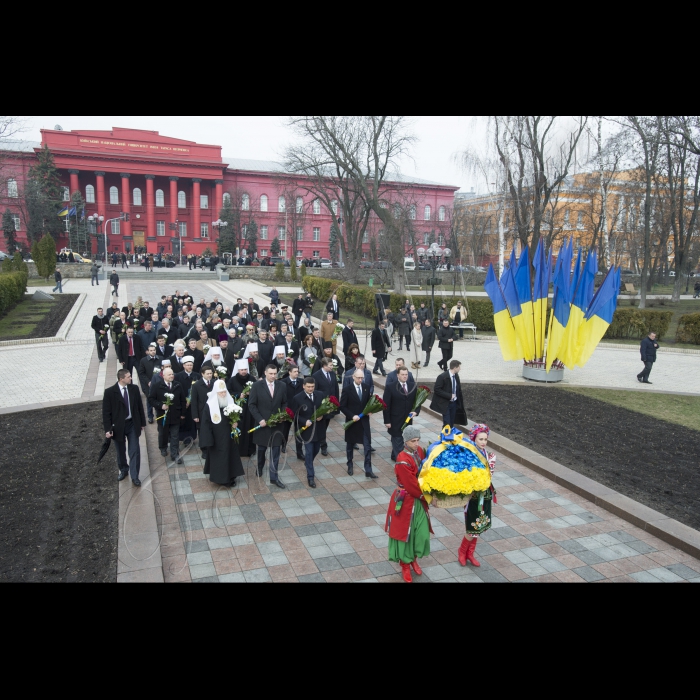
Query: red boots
{"points": [[466, 552], [406, 573], [418, 571]]}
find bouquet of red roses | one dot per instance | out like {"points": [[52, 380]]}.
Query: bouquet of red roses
{"points": [[374, 405], [275, 419], [422, 395], [328, 405]]}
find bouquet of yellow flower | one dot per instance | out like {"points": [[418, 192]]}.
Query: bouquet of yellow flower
{"points": [[453, 469]]}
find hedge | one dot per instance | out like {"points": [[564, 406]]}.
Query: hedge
{"points": [[689, 329], [638, 323], [12, 288]]}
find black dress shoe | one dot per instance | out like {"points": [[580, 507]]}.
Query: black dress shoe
{"points": [[350, 471], [136, 482], [150, 421], [278, 484], [639, 379], [646, 382], [284, 450], [324, 453], [312, 483], [371, 475], [301, 457], [357, 447], [122, 476], [377, 373], [179, 461], [164, 453], [371, 449]]}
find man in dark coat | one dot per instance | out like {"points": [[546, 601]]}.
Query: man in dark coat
{"points": [[447, 396], [292, 346], [295, 386], [100, 324], [129, 350], [298, 308], [428, 339], [393, 376], [333, 307], [199, 396], [223, 463], [147, 335], [352, 403], [265, 347], [188, 428], [648, 350], [123, 419], [445, 338], [114, 282], [163, 350], [349, 335], [170, 417], [423, 314], [147, 368], [403, 322], [380, 343], [267, 397], [304, 405], [196, 353], [399, 399], [327, 383]]}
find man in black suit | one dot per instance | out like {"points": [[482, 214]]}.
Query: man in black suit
{"points": [[295, 386], [147, 368], [265, 347], [393, 377], [399, 399], [163, 350], [298, 308], [304, 405], [292, 346], [196, 353], [352, 403], [100, 324], [200, 394], [167, 330], [447, 395], [124, 419], [170, 417], [380, 342], [252, 306], [129, 351], [327, 382], [188, 428], [349, 335], [267, 397], [332, 307]]}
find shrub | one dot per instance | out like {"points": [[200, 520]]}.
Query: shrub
{"points": [[293, 269], [303, 271], [12, 288], [689, 329], [18, 264], [279, 272], [44, 255], [631, 323]]}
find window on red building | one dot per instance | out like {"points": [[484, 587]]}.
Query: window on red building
{"points": [[16, 219], [205, 230], [90, 194], [182, 229], [300, 205], [317, 206], [428, 212], [334, 206], [12, 190], [181, 200], [204, 201], [66, 194], [137, 197], [160, 198], [282, 205], [160, 228], [263, 202], [113, 195], [282, 233], [116, 227], [300, 233], [227, 199], [412, 212], [441, 214], [317, 235], [245, 202], [263, 233], [317, 253]]}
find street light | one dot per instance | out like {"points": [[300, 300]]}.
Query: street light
{"points": [[219, 225], [98, 220], [434, 256]]}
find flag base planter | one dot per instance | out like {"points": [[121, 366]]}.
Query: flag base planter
{"points": [[540, 374]]}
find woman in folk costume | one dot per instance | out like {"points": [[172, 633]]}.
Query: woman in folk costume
{"points": [[236, 384], [407, 519], [223, 463], [477, 513]]}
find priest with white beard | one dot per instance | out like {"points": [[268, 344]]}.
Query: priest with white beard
{"points": [[223, 464]]}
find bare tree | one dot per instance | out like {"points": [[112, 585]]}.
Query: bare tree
{"points": [[362, 150]]}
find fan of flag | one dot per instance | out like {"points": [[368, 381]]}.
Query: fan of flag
{"points": [[580, 315]]}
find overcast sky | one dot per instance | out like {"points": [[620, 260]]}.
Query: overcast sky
{"points": [[264, 138]]}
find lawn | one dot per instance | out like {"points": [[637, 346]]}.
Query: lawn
{"points": [[36, 319], [681, 410]]}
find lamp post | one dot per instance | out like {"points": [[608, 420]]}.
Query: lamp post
{"points": [[176, 227], [97, 221], [434, 256], [219, 225]]}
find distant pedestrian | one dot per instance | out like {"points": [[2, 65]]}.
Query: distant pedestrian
{"points": [[147, 263], [115, 260], [648, 351], [152, 261], [59, 280], [445, 337], [696, 290], [94, 271], [124, 419], [114, 281]]}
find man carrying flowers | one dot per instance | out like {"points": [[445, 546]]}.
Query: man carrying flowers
{"points": [[407, 518], [357, 404]]}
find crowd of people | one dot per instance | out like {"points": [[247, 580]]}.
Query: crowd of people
{"points": [[245, 382]]}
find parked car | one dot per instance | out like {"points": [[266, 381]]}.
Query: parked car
{"points": [[365, 265], [3, 256], [381, 265], [326, 263], [160, 261], [80, 259]]}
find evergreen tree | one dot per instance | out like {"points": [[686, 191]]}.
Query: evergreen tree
{"points": [[293, 269], [8, 228], [251, 239], [334, 243], [275, 247], [45, 256], [228, 238], [43, 195]]}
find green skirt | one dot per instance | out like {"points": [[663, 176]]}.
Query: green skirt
{"points": [[478, 516], [418, 545]]}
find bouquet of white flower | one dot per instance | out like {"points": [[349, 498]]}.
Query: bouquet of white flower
{"points": [[221, 372], [206, 349], [233, 412], [169, 398], [339, 328]]}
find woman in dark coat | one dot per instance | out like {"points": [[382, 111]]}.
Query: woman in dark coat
{"points": [[445, 336], [353, 352], [223, 463]]}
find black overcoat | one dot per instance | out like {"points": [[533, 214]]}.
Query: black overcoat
{"points": [[303, 409], [223, 463], [350, 405]]}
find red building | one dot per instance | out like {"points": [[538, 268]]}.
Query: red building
{"points": [[174, 190]]}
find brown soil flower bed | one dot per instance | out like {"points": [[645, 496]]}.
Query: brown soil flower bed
{"points": [[59, 512], [651, 461], [51, 322]]}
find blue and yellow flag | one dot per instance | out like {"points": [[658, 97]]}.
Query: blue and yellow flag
{"points": [[505, 330], [598, 317], [523, 286], [510, 294], [539, 298], [581, 300], [561, 308], [63, 212]]}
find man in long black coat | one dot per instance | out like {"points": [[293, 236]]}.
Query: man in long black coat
{"points": [[428, 333], [100, 324], [295, 386], [223, 463], [352, 403], [349, 335], [380, 343], [304, 405], [448, 400], [169, 425], [147, 368], [399, 398], [267, 397], [123, 418], [129, 350], [188, 428], [200, 394], [327, 382]]}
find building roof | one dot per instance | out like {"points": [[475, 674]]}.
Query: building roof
{"points": [[19, 146]]}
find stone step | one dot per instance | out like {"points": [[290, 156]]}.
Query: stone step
{"points": [[125, 276]]}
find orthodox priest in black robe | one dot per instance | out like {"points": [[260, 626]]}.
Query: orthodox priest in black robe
{"points": [[236, 384], [223, 464]]}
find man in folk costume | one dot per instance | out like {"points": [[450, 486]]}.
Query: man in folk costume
{"points": [[304, 404], [256, 367], [236, 384], [295, 386], [147, 369], [199, 394], [171, 416], [188, 428], [407, 518], [352, 403], [223, 462], [268, 397]]}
